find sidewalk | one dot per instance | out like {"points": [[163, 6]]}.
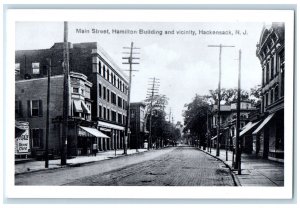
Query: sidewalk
{"points": [[32, 166], [255, 172]]}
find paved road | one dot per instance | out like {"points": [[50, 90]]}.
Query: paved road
{"points": [[180, 166]]}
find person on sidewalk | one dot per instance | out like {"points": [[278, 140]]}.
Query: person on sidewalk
{"points": [[95, 149]]}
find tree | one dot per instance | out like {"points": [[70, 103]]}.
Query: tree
{"points": [[195, 117], [255, 94], [227, 96]]}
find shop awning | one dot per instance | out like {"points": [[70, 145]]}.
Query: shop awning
{"points": [[92, 132], [110, 126], [248, 127], [77, 106], [215, 137], [85, 108], [263, 123]]}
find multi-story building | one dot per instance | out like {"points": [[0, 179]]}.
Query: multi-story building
{"points": [[269, 135], [228, 122], [137, 125], [109, 90], [31, 107]]}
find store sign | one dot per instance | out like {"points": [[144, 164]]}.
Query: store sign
{"points": [[22, 145]]}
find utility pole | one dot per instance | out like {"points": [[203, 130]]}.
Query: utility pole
{"points": [[66, 97], [207, 130], [219, 94], [47, 116], [238, 109], [130, 62], [153, 91]]}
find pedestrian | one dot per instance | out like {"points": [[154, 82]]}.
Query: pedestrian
{"points": [[95, 149]]}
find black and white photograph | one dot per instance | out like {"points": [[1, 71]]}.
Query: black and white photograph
{"points": [[169, 103]]}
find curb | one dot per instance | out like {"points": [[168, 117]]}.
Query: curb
{"points": [[76, 164], [234, 177]]}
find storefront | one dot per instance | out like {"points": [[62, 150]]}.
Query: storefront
{"points": [[88, 136]]}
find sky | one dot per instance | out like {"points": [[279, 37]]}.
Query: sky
{"points": [[183, 62]]}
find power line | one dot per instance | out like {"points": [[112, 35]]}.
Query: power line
{"points": [[130, 62]]}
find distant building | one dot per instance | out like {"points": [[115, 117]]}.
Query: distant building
{"points": [[269, 135], [137, 125], [109, 90], [228, 122], [31, 106]]}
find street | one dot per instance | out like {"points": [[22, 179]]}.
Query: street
{"points": [[174, 166]]}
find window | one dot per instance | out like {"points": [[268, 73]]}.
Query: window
{"points": [[35, 108], [104, 93], [107, 95], [108, 114], [107, 75], [17, 68], [132, 113], [18, 108], [114, 80], [113, 98], [100, 90], [103, 70], [263, 76], [75, 90], [100, 111], [120, 118], [99, 66], [276, 93], [36, 68], [82, 92], [111, 78], [104, 112], [123, 87], [267, 99], [120, 102], [267, 73], [272, 67], [114, 116], [272, 96], [118, 83], [37, 137]]}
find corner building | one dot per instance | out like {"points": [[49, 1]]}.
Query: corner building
{"points": [[109, 89], [269, 135]]}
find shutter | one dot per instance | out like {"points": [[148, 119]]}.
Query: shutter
{"points": [[40, 108], [41, 135], [29, 108]]}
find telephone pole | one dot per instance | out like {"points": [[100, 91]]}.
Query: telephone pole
{"points": [[130, 59], [219, 94], [66, 97], [237, 164], [152, 91], [47, 116]]}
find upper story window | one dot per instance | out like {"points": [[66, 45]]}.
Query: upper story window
{"points": [[100, 90], [17, 68], [132, 113], [107, 95], [75, 90], [113, 98], [120, 102], [103, 71], [36, 68], [104, 92], [99, 66], [35, 108]]}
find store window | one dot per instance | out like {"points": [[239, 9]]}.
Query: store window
{"points": [[35, 68]]}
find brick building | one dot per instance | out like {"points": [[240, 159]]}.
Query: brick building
{"points": [[269, 135], [137, 125], [109, 90], [31, 106]]}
